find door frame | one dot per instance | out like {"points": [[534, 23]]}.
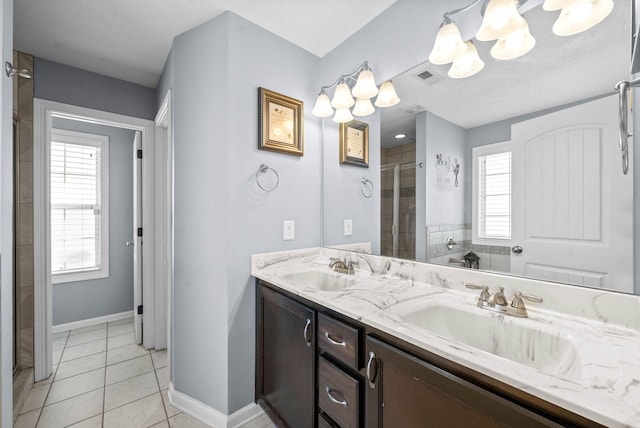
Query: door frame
{"points": [[43, 310]]}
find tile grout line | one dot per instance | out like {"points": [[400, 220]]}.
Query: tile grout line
{"points": [[104, 389], [164, 405], [53, 375]]}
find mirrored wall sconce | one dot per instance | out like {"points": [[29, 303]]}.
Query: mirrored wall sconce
{"points": [[503, 22], [353, 94]]}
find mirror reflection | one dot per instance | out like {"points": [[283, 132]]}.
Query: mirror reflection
{"points": [[517, 168]]}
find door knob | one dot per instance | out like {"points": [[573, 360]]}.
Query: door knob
{"points": [[516, 249], [129, 243]]}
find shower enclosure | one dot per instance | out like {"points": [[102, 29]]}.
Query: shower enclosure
{"points": [[398, 210]]}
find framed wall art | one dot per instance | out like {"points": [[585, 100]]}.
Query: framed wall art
{"points": [[280, 123], [354, 143]]}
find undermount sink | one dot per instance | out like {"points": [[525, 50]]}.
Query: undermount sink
{"points": [[322, 280], [519, 340]]}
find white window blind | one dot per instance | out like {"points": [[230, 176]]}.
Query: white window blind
{"points": [[78, 206], [494, 191]]}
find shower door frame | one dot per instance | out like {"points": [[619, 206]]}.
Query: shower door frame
{"points": [[396, 167]]}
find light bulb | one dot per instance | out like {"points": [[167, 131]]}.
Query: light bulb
{"points": [[467, 65], [342, 98], [363, 107], [448, 44], [501, 17], [323, 106], [514, 45], [387, 96], [580, 15], [365, 85], [342, 116]]}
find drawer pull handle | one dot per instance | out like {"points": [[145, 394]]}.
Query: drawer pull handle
{"points": [[306, 329], [371, 378], [331, 397], [334, 342]]}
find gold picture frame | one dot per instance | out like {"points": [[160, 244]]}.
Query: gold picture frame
{"points": [[280, 123], [354, 143]]}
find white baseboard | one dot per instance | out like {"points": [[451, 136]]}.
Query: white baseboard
{"points": [[91, 321], [209, 415]]}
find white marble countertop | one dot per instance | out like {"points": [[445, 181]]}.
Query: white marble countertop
{"points": [[600, 379]]}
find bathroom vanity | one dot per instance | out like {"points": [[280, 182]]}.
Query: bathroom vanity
{"points": [[410, 347]]}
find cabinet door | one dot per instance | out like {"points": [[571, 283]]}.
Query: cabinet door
{"points": [[404, 391], [285, 363]]}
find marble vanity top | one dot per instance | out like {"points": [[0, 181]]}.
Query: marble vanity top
{"points": [[598, 377]]}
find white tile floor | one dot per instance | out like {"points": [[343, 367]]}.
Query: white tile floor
{"points": [[101, 378]]}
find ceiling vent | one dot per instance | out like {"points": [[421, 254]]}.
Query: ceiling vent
{"points": [[413, 109], [428, 77]]}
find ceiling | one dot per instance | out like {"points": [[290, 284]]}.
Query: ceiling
{"points": [[559, 70], [130, 40]]}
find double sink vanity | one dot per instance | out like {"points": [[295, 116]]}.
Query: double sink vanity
{"points": [[345, 339]]}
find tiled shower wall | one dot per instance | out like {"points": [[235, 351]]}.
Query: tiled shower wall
{"points": [[496, 258], [23, 206]]}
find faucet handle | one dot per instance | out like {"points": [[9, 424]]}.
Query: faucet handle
{"points": [[484, 295], [518, 301]]}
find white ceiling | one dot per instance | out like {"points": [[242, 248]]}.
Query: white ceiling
{"points": [[130, 40], [559, 70]]}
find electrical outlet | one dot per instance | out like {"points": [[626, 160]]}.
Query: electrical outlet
{"points": [[348, 227], [288, 230]]}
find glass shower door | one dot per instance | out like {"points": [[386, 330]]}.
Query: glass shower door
{"points": [[398, 210]]}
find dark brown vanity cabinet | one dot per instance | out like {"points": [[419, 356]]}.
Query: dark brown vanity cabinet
{"points": [[285, 359], [404, 391], [316, 368]]}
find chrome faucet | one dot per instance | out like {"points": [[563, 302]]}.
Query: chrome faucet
{"points": [[342, 266], [497, 302]]}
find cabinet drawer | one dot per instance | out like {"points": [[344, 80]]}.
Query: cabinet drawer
{"points": [[338, 394], [339, 340]]}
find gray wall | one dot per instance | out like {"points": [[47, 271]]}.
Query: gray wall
{"points": [[6, 219], [444, 201], [75, 301], [221, 217], [70, 85]]}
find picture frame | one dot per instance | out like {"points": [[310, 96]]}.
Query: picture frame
{"points": [[280, 123], [354, 143]]}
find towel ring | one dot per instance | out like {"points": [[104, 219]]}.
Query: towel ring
{"points": [[267, 178], [366, 188]]}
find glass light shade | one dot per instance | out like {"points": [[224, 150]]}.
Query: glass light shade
{"points": [[514, 45], [551, 5], [343, 115], [467, 65], [342, 98], [363, 107], [500, 18], [387, 96], [448, 45], [365, 85], [323, 106], [581, 15]]}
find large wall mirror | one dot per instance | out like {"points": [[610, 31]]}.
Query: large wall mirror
{"points": [[516, 169]]}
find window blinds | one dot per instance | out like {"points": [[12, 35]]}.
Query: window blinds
{"points": [[75, 208], [495, 196]]}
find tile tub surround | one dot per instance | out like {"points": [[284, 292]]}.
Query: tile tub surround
{"points": [[602, 383]]}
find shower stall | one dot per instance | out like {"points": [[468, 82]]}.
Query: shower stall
{"points": [[398, 210]]}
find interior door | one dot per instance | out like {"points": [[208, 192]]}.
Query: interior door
{"points": [[572, 205], [137, 236]]}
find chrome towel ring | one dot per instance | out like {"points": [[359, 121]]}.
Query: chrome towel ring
{"points": [[366, 188], [267, 178]]}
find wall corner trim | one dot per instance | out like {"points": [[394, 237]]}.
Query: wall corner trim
{"points": [[91, 321], [209, 415]]}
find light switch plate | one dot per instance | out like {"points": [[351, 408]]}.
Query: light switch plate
{"points": [[288, 230], [348, 227]]}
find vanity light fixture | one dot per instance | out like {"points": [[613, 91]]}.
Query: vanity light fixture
{"points": [[503, 22], [353, 94]]}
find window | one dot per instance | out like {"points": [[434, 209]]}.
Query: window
{"points": [[79, 165], [492, 193]]}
